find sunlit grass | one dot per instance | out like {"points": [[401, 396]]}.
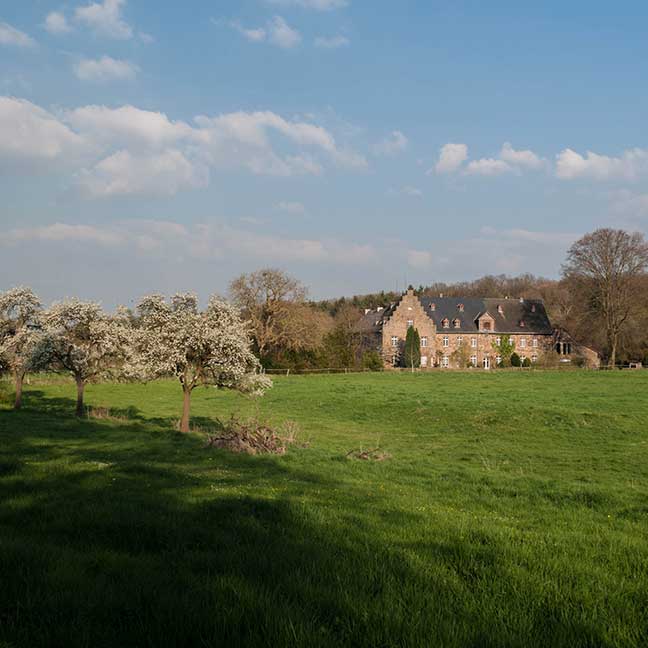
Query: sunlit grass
{"points": [[513, 511]]}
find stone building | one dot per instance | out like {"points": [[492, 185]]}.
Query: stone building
{"points": [[457, 332]]}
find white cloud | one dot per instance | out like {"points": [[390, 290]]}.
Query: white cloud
{"points": [[105, 69], [33, 137], [147, 39], [292, 208], [157, 174], [414, 192], [63, 232], [11, 36], [128, 126], [115, 150], [395, 142], [202, 241], [318, 5], [56, 23], [451, 157], [331, 42], [488, 167], [105, 18], [281, 34], [524, 158], [571, 165], [276, 32]]}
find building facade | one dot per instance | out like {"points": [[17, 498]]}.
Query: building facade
{"points": [[458, 332]]}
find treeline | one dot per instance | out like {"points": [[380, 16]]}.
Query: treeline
{"points": [[601, 301]]}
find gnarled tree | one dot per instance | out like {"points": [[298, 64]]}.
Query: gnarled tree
{"points": [[210, 347], [605, 268], [275, 306], [20, 312], [86, 342]]}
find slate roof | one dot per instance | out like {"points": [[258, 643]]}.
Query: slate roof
{"points": [[530, 311]]}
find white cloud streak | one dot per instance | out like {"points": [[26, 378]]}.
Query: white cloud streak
{"points": [[13, 37], [332, 42], [105, 69], [317, 5], [105, 18], [57, 24]]}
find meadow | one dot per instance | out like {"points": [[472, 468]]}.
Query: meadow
{"points": [[512, 511]]}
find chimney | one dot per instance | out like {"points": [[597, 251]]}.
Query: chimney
{"points": [[500, 310]]}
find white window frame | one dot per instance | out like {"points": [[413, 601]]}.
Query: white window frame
{"points": [[473, 343], [446, 341], [445, 362], [473, 360], [394, 341], [523, 343], [498, 341], [410, 323], [498, 359], [534, 358], [535, 343], [460, 340], [424, 341]]}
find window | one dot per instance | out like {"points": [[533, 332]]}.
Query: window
{"points": [[460, 307], [534, 358], [423, 341], [523, 358], [473, 343], [535, 343], [459, 340], [473, 360], [486, 326], [498, 341], [445, 362], [446, 323], [394, 341], [498, 359], [446, 341], [410, 323], [433, 306], [424, 361], [457, 323], [523, 343], [522, 324]]}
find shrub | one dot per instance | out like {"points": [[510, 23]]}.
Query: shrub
{"points": [[515, 360], [372, 361], [526, 362]]}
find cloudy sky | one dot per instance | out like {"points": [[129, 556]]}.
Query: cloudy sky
{"points": [[358, 145]]}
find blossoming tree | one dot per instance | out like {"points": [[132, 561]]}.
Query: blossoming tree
{"points": [[80, 338], [210, 347], [20, 312]]}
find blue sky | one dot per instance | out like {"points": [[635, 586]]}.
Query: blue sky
{"points": [[358, 145]]}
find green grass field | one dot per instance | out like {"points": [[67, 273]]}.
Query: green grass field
{"points": [[513, 512]]}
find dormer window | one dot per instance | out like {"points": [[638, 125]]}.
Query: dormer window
{"points": [[446, 323], [432, 306], [457, 323], [460, 307], [522, 324], [500, 309], [533, 308], [486, 325]]}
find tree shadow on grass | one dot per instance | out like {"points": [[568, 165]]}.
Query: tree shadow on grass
{"points": [[117, 548]]}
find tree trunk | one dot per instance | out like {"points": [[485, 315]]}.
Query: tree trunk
{"points": [[19, 376], [186, 407], [613, 352], [79, 404]]}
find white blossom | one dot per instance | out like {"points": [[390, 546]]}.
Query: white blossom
{"points": [[210, 347]]}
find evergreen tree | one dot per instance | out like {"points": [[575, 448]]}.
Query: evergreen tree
{"points": [[412, 354]]}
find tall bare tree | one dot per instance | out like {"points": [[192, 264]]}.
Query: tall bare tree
{"points": [[606, 267], [275, 306]]}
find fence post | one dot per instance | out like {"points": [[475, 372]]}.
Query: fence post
{"points": [[288, 372]]}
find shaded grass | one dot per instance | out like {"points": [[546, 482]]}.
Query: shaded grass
{"points": [[513, 512]]}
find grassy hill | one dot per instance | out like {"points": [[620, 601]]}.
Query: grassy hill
{"points": [[513, 512]]}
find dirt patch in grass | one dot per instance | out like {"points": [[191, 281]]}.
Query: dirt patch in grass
{"points": [[374, 454]]}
